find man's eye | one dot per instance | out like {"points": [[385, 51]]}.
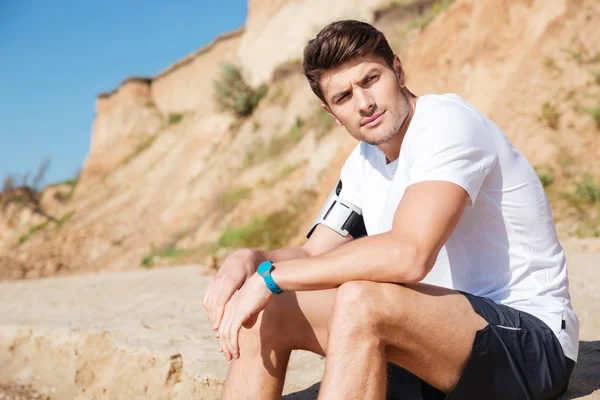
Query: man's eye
{"points": [[369, 79]]}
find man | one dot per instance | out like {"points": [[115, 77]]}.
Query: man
{"points": [[461, 280]]}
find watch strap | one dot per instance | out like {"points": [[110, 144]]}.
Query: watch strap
{"points": [[271, 284], [264, 270]]}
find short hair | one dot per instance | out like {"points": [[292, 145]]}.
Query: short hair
{"points": [[338, 43]]}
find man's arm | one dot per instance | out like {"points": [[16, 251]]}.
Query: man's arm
{"points": [[321, 241], [244, 262], [426, 216]]}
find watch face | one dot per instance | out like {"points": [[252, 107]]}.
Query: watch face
{"points": [[264, 268]]}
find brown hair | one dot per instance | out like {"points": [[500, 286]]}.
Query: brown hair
{"points": [[339, 42]]}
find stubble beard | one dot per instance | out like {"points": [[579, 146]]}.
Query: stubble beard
{"points": [[394, 129]]}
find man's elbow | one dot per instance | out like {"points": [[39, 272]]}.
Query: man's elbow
{"points": [[415, 264]]}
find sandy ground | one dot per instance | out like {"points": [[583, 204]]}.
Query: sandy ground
{"points": [[19, 392], [142, 334]]}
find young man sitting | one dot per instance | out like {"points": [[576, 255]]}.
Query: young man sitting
{"points": [[461, 280]]}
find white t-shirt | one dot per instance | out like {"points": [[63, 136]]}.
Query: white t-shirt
{"points": [[505, 246]]}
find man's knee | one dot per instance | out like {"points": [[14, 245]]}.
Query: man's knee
{"points": [[283, 325], [267, 331], [357, 308]]}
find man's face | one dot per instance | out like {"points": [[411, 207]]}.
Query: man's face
{"points": [[364, 95]]}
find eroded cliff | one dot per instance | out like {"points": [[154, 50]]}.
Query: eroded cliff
{"points": [[171, 178]]}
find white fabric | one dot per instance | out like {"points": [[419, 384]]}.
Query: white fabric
{"points": [[505, 246]]}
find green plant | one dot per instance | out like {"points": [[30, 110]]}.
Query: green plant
{"points": [[244, 236], [70, 182], [141, 147], [167, 252], [438, 7], [594, 113], [233, 196], [285, 69], [546, 176], [283, 173], [596, 75], [295, 131], [255, 125], [16, 199], [232, 93], [325, 122], [32, 231], [549, 116], [270, 232], [588, 227], [175, 118], [587, 190], [63, 220], [280, 97], [575, 55], [393, 4], [287, 171], [260, 152]]}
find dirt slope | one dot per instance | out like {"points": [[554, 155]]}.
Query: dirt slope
{"points": [[170, 178]]}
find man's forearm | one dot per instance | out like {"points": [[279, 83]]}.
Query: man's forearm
{"points": [[279, 255], [379, 258]]}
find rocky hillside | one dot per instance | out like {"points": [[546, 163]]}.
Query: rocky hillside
{"points": [[172, 178]]}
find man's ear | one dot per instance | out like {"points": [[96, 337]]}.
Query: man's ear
{"points": [[326, 107], [399, 70]]}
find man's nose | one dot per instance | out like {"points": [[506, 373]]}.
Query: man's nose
{"points": [[365, 103]]}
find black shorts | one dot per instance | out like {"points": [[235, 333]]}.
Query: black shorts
{"points": [[516, 356]]}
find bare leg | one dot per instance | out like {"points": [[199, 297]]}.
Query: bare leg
{"points": [[427, 330], [290, 321]]}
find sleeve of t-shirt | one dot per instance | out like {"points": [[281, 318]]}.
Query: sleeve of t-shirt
{"points": [[454, 146], [350, 178]]}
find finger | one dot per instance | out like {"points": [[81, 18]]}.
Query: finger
{"points": [[230, 325], [233, 338], [210, 299], [223, 333], [216, 301], [219, 310], [220, 306], [205, 300], [234, 330], [220, 340]]}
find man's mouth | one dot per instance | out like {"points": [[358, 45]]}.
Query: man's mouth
{"points": [[372, 120]]}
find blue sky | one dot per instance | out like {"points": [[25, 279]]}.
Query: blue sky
{"points": [[57, 56]]}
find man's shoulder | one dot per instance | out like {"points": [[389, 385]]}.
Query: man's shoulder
{"points": [[436, 107], [443, 118]]}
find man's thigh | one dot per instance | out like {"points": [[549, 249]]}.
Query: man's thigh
{"points": [[428, 330], [469, 346]]}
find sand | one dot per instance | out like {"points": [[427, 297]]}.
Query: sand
{"points": [[143, 334]]}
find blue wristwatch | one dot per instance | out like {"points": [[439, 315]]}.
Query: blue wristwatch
{"points": [[264, 270]]}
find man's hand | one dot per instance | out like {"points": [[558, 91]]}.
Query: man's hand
{"points": [[242, 310], [231, 276]]}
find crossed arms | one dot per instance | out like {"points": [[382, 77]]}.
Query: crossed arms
{"points": [[426, 216], [424, 219]]}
